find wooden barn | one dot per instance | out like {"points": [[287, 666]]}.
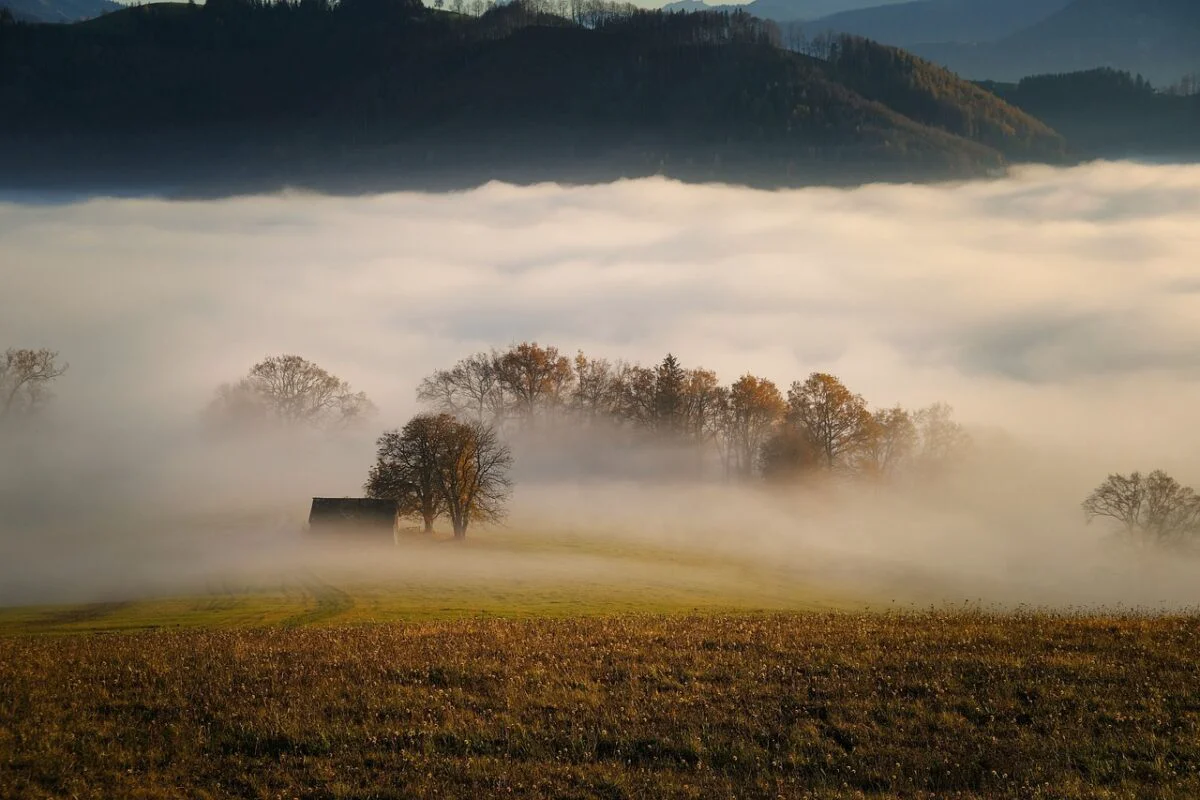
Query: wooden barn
{"points": [[353, 515]]}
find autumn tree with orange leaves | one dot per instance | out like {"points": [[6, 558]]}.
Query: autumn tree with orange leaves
{"points": [[834, 419], [747, 427], [754, 409]]}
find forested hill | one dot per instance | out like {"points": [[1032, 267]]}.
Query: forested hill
{"points": [[382, 93]]}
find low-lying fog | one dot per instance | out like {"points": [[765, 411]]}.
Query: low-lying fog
{"points": [[1058, 311]]}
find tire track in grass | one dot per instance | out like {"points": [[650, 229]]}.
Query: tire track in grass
{"points": [[329, 601]]}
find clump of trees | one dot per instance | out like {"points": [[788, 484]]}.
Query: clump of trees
{"points": [[439, 465], [25, 379], [1153, 506], [748, 427], [288, 391]]}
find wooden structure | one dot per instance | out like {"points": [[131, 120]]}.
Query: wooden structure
{"points": [[353, 515]]}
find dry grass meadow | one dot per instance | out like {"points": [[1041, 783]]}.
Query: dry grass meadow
{"points": [[813, 704]]}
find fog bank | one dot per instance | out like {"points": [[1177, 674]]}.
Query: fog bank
{"points": [[1058, 311]]}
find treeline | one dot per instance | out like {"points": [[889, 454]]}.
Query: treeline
{"points": [[935, 96], [454, 460], [1111, 112], [750, 427]]}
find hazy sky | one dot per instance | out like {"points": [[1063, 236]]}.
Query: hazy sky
{"points": [[1059, 306]]}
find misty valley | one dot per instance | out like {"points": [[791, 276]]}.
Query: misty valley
{"points": [[687, 490], [599, 399]]}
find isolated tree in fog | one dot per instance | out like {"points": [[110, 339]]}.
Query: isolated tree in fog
{"points": [[835, 419], [472, 474], [406, 468], [25, 378], [292, 391], [1155, 506], [438, 465]]}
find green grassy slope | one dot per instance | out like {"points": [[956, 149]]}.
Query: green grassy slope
{"points": [[501, 573]]}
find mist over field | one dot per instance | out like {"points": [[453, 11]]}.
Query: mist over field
{"points": [[1058, 311]]}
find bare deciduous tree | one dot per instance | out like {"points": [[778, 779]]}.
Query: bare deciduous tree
{"points": [[940, 438], [471, 389], [597, 389], [292, 391], [636, 404], [703, 402], [406, 468], [472, 474], [1155, 505], [25, 377], [438, 465]]}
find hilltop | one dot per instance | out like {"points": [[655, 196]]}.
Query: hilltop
{"points": [[58, 10], [782, 10], [924, 21], [373, 94]]}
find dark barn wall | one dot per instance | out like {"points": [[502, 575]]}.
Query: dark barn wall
{"points": [[356, 515]]}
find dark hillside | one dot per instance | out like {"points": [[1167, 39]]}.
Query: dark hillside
{"points": [[934, 96], [1112, 114], [390, 90]]}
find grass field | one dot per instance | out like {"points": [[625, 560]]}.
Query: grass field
{"points": [[787, 705], [503, 574], [571, 667]]}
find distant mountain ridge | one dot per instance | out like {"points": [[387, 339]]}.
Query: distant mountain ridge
{"points": [[1006, 40], [925, 21], [780, 10], [1159, 39], [58, 10]]}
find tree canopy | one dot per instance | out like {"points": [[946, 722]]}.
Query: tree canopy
{"points": [[1154, 506], [288, 391], [439, 465], [25, 379], [743, 429]]}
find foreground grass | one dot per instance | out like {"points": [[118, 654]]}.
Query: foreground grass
{"points": [[824, 705]]}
